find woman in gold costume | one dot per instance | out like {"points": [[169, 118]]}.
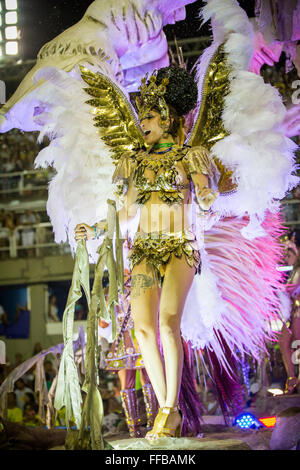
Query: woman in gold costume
{"points": [[164, 257], [235, 148]]}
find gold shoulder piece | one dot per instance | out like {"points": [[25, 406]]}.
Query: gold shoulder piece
{"points": [[114, 115], [197, 160], [124, 168]]}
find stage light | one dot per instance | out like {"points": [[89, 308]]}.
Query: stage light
{"points": [[268, 422], [12, 48], [11, 32], [275, 391], [11, 4], [11, 17], [247, 421]]}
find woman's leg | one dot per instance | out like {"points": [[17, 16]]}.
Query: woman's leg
{"points": [[142, 377], [144, 297], [285, 340], [177, 282], [127, 378]]}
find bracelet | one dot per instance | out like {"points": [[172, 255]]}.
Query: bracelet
{"points": [[96, 235]]}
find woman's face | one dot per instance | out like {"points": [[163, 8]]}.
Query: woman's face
{"points": [[151, 126], [290, 257], [29, 411], [210, 397]]}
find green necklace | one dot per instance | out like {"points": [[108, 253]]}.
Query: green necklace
{"points": [[160, 146]]}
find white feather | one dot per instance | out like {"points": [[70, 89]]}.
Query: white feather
{"points": [[79, 191], [257, 151]]}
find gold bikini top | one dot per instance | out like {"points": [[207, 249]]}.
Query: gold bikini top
{"points": [[167, 181]]}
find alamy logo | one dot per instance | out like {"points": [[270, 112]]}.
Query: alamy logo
{"points": [[2, 352], [296, 94], [296, 354], [2, 92]]}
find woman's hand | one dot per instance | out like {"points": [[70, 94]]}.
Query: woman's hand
{"points": [[84, 231], [205, 197]]}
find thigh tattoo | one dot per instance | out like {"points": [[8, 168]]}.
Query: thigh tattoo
{"points": [[140, 282]]}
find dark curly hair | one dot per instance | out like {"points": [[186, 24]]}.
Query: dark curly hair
{"points": [[181, 93]]}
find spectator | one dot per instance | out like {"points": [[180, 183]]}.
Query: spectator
{"points": [[18, 359], [3, 234], [9, 221], [19, 164], [37, 349], [8, 166], [79, 311], [29, 378], [14, 413], [21, 390], [254, 389], [111, 419], [3, 373], [49, 373], [211, 404], [19, 311], [61, 418], [53, 310], [5, 231], [28, 234], [2, 217], [3, 316], [30, 416], [29, 398]]}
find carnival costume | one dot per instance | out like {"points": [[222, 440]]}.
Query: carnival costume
{"points": [[234, 140]]}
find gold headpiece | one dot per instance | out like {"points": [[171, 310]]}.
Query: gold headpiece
{"points": [[152, 96]]}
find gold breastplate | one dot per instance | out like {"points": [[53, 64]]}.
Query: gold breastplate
{"points": [[167, 182]]}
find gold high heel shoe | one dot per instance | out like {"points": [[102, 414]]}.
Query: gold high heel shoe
{"points": [[160, 428], [289, 389]]}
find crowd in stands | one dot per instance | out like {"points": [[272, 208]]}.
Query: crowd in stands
{"points": [[23, 229], [9, 223], [80, 311], [18, 151], [22, 403]]}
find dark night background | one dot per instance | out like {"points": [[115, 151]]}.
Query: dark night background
{"points": [[42, 20]]}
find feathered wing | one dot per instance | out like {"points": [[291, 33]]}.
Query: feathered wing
{"points": [[239, 119], [234, 300], [87, 136]]}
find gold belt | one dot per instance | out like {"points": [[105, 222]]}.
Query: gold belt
{"points": [[157, 249]]}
